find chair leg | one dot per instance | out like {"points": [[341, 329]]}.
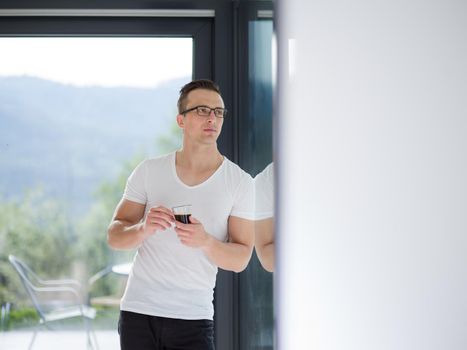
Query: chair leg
{"points": [[90, 336], [95, 339], [89, 343], [5, 314], [33, 338]]}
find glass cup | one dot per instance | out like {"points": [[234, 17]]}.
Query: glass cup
{"points": [[182, 213]]}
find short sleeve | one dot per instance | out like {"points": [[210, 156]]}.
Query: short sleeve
{"points": [[135, 189], [264, 191], [244, 199]]}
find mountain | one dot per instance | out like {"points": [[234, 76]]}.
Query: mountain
{"points": [[70, 139]]}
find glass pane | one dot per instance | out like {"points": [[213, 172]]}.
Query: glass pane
{"points": [[76, 116], [256, 289]]}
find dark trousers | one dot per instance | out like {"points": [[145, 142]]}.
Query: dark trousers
{"points": [[143, 332]]}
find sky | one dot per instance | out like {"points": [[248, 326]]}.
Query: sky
{"points": [[108, 62]]}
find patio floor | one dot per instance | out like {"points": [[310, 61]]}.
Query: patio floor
{"points": [[57, 340]]}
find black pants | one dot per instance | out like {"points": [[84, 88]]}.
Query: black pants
{"points": [[143, 332]]}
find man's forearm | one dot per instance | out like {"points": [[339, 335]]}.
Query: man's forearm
{"points": [[228, 255], [123, 235], [266, 256], [264, 237]]}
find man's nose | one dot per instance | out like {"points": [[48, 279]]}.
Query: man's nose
{"points": [[212, 117]]}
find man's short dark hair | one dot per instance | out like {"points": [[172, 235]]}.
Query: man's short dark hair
{"points": [[195, 84]]}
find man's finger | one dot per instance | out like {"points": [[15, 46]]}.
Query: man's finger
{"points": [[184, 236], [182, 231], [161, 209], [194, 220], [162, 216], [158, 221], [182, 226]]}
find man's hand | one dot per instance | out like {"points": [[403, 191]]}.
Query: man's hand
{"points": [[129, 228], [192, 235], [158, 219], [232, 255]]}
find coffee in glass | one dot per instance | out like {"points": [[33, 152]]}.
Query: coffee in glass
{"points": [[182, 213]]}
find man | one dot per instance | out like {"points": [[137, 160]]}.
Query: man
{"points": [[168, 302], [264, 224]]}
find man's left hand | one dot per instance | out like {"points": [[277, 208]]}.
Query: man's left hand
{"points": [[192, 235]]}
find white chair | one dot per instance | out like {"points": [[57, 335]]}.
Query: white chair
{"points": [[122, 270], [66, 298]]}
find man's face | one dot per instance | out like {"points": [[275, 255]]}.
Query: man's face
{"points": [[202, 129]]}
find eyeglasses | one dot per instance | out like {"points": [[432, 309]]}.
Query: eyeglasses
{"points": [[205, 111]]}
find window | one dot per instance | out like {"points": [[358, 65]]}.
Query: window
{"points": [[78, 114], [214, 28]]}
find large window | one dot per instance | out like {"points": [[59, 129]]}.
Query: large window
{"points": [[77, 115], [49, 126]]}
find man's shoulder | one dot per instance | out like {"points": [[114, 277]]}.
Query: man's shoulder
{"points": [[235, 176], [149, 165], [266, 173], [158, 160], [234, 169]]}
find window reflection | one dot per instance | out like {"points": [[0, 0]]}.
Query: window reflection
{"points": [[256, 290], [264, 224]]}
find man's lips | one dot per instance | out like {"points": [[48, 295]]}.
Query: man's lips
{"points": [[210, 130]]}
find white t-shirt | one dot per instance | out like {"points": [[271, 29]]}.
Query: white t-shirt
{"points": [[169, 279], [264, 185]]}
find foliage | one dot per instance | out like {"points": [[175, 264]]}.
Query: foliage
{"points": [[24, 317], [171, 141], [27, 317], [36, 230], [39, 230], [93, 248]]}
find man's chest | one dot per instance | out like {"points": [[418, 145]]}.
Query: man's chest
{"points": [[194, 178]]}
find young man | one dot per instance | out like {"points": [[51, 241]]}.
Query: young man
{"points": [[168, 302]]}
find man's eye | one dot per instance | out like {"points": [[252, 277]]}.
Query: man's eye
{"points": [[204, 110]]}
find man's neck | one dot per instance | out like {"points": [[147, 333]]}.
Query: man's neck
{"points": [[199, 158]]}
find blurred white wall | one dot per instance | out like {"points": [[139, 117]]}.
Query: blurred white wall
{"points": [[371, 142]]}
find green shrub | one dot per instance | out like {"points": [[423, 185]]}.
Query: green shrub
{"points": [[20, 318]]}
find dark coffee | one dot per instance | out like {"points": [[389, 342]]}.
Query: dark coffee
{"points": [[184, 218]]}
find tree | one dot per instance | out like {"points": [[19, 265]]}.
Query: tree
{"points": [[35, 230]]}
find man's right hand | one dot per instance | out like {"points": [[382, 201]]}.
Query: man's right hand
{"points": [[129, 228], [157, 219]]}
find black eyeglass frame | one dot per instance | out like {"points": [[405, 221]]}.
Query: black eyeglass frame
{"points": [[224, 111]]}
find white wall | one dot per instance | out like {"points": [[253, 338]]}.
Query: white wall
{"points": [[371, 136]]}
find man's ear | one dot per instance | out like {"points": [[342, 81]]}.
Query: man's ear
{"points": [[181, 121]]}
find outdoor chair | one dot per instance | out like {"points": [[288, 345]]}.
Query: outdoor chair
{"points": [[121, 270], [4, 316], [55, 300]]}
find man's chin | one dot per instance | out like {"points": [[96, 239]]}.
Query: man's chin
{"points": [[210, 142]]}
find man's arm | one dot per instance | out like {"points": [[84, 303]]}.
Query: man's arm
{"points": [[264, 243], [127, 229], [233, 255]]}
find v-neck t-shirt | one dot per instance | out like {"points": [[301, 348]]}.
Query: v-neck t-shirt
{"points": [[169, 279]]}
